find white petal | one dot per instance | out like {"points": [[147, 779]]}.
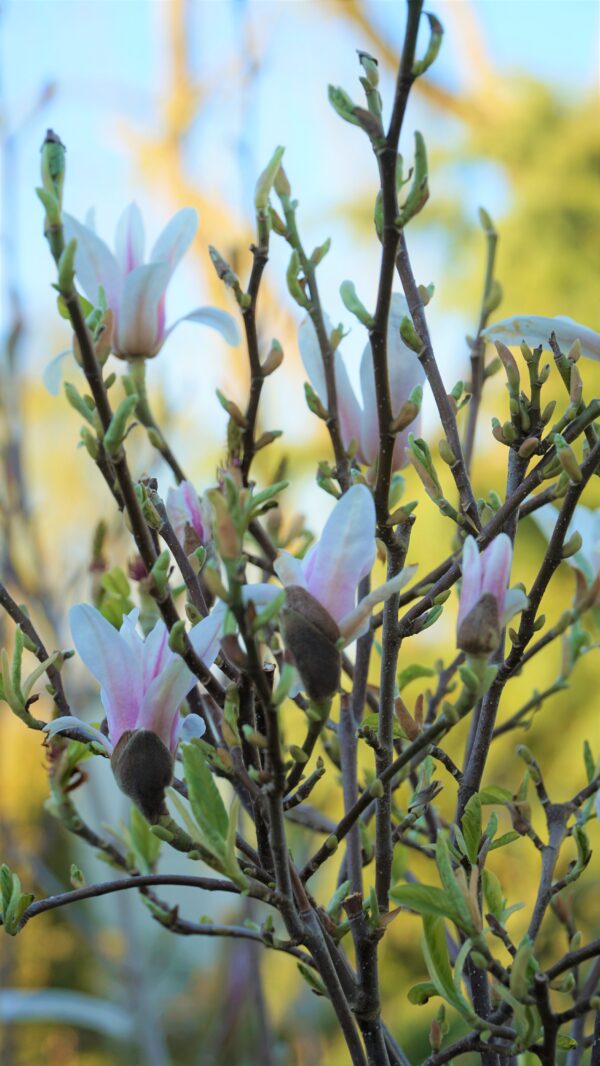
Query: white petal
{"points": [[52, 375], [344, 554], [311, 356], [69, 721], [515, 601], [536, 330], [139, 331], [354, 624], [95, 265], [470, 592], [163, 699], [176, 238], [214, 318], [113, 663], [205, 636], [290, 570], [129, 239]]}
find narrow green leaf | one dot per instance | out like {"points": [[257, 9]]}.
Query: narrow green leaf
{"points": [[205, 799], [471, 827], [506, 838], [458, 901], [437, 960]]}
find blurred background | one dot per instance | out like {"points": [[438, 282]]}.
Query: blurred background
{"points": [[181, 103]]}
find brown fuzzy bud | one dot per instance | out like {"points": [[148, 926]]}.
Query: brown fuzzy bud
{"points": [[143, 769], [310, 634], [479, 632]]}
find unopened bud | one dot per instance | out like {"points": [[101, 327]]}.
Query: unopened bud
{"points": [[529, 447], [435, 42], [353, 304], [410, 336], [224, 530], [343, 104], [572, 545], [370, 67], [53, 165], [232, 410], [314, 403], [567, 458], [510, 366], [446, 452], [266, 179], [66, 269]]}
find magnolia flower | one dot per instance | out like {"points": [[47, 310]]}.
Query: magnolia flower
{"points": [[536, 330], [320, 613], [361, 423], [486, 602], [142, 686], [135, 291], [188, 515], [586, 522]]}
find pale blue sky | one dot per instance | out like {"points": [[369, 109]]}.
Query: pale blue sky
{"points": [[107, 59]]}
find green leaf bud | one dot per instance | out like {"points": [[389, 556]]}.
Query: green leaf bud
{"points": [[353, 304], [266, 180]]}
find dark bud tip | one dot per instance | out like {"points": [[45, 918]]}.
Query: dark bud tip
{"points": [[310, 634], [479, 632], [143, 769]]}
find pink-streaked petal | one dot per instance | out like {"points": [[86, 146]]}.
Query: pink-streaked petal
{"points": [[185, 508], [496, 562], [205, 636], [163, 699], [138, 330], [52, 375], [221, 321], [69, 721], [129, 633], [353, 625], [515, 601], [129, 239], [156, 653], [95, 265], [175, 239], [345, 553], [470, 592], [536, 330], [113, 663], [289, 570]]}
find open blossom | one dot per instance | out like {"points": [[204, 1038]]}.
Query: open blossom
{"points": [[142, 686], [486, 602], [361, 422], [189, 516], [536, 330], [320, 612], [135, 290]]}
